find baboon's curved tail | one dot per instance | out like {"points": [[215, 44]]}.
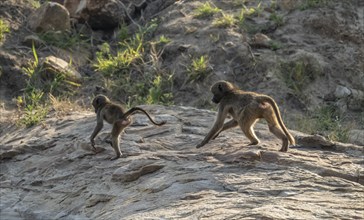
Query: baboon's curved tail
{"points": [[135, 109], [268, 99]]}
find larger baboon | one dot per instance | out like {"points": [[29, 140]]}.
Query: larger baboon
{"points": [[246, 108]]}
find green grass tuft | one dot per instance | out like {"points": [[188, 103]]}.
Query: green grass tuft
{"points": [[206, 10]]}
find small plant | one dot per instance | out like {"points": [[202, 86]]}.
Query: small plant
{"points": [[252, 11], [129, 69], [325, 121], [246, 12], [241, 18], [157, 94], [224, 21], [214, 38], [123, 32], [34, 3], [35, 101], [275, 45], [277, 19], [205, 10], [33, 112], [199, 68], [62, 39], [298, 74], [33, 66], [4, 28], [273, 5], [130, 53], [164, 40]]}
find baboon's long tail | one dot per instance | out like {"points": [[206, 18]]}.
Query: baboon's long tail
{"points": [[135, 109], [280, 121]]}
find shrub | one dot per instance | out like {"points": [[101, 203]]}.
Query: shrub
{"points": [[205, 10], [224, 21], [326, 121], [199, 68]]}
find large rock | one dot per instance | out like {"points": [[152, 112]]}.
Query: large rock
{"points": [[52, 66], [356, 136], [51, 172], [99, 14], [51, 16]]}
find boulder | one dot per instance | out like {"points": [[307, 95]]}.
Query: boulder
{"points": [[356, 137], [51, 16], [261, 41], [53, 66], [342, 92], [99, 14], [50, 171]]}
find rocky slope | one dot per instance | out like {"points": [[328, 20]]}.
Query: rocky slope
{"points": [[314, 56], [49, 172]]}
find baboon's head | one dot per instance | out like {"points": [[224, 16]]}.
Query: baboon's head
{"points": [[220, 89], [99, 101]]}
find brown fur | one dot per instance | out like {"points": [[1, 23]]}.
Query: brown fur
{"points": [[116, 115], [246, 108]]}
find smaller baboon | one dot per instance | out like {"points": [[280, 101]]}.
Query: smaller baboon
{"points": [[116, 115], [246, 108]]}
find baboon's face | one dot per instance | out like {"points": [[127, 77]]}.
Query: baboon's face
{"points": [[219, 90], [98, 101]]}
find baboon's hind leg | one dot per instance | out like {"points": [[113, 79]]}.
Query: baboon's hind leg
{"points": [[276, 130], [115, 133]]}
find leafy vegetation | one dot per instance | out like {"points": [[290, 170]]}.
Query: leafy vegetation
{"points": [[205, 10], [35, 101], [164, 40], [4, 28], [63, 39], [298, 74], [134, 67], [30, 103], [226, 20], [252, 11], [123, 32], [277, 19], [34, 3], [326, 121], [247, 12], [275, 45], [199, 68]]}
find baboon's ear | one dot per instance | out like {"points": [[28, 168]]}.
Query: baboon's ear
{"points": [[219, 87]]}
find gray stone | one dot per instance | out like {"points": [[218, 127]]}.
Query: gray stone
{"points": [[52, 66], [356, 136], [101, 14], [51, 16], [342, 92]]}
